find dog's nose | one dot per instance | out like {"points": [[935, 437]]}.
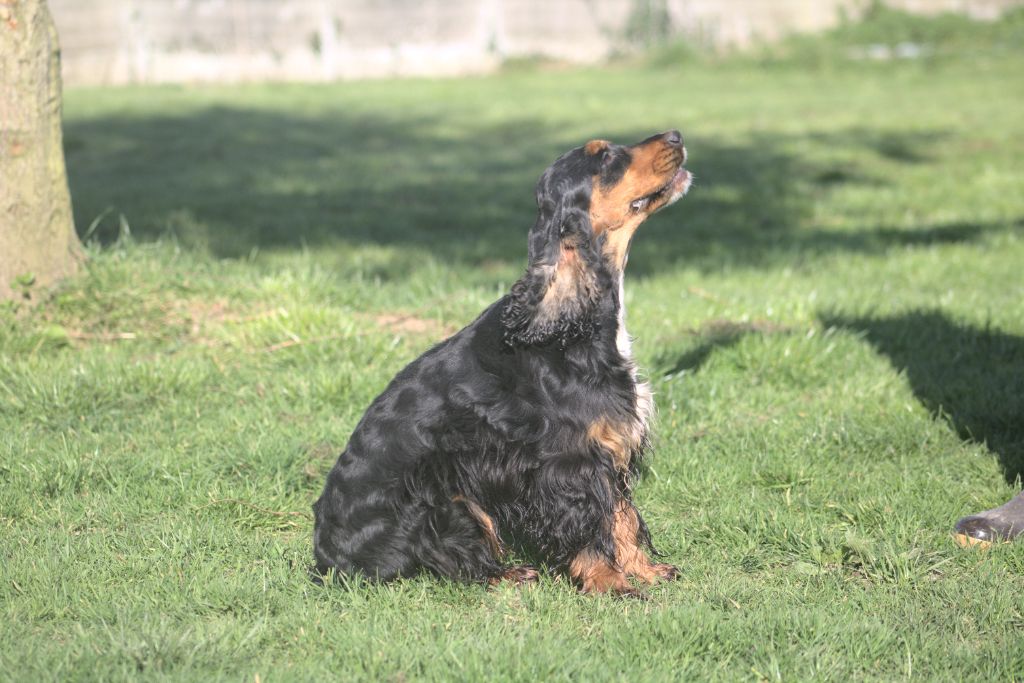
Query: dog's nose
{"points": [[674, 138]]}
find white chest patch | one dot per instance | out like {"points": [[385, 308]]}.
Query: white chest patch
{"points": [[624, 343], [622, 339]]}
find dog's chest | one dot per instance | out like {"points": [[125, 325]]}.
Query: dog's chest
{"points": [[624, 343], [635, 433]]}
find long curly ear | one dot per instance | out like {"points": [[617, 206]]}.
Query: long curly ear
{"points": [[555, 299]]}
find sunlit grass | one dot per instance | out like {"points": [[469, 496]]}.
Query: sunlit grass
{"points": [[831, 322]]}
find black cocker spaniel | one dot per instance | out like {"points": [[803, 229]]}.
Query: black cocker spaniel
{"points": [[526, 426]]}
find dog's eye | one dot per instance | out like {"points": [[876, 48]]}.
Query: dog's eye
{"points": [[640, 204]]}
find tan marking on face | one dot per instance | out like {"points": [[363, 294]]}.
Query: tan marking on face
{"points": [[518, 576], [595, 146], [652, 167]]}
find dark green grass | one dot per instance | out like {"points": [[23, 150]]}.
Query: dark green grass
{"points": [[832, 323]]}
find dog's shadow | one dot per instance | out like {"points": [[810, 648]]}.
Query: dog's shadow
{"points": [[972, 377], [714, 335]]}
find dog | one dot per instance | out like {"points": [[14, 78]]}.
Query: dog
{"points": [[524, 428]]}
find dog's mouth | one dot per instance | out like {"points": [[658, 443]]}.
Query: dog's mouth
{"points": [[679, 185], [668, 194]]}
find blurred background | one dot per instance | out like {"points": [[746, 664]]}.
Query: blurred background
{"points": [[156, 41]]}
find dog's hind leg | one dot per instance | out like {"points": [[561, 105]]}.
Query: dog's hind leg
{"points": [[357, 534], [517, 575], [574, 521], [458, 540]]}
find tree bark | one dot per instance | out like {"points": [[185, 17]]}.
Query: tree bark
{"points": [[38, 244]]}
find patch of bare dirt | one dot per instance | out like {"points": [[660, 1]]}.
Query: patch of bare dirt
{"points": [[406, 323]]}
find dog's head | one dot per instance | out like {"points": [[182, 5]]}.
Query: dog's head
{"points": [[589, 204]]}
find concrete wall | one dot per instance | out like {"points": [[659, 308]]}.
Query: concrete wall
{"points": [[133, 41]]}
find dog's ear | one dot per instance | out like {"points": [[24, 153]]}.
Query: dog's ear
{"points": [[555, 299]]}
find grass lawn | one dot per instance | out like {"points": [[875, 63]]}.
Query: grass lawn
{"points": [[832, 322]]}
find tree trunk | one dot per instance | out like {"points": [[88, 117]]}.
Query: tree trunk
{"points": [[38, 244]]}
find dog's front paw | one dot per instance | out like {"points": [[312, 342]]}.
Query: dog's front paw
{"points": [[520, 575], [665, 572], [517, 576]]}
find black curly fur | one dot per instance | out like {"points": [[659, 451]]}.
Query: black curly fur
{"points": [[497, 415]]}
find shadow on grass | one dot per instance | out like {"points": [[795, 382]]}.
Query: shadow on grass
{"points": [[231, 180], [972, 377], [714, 335], [908, 147]]}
